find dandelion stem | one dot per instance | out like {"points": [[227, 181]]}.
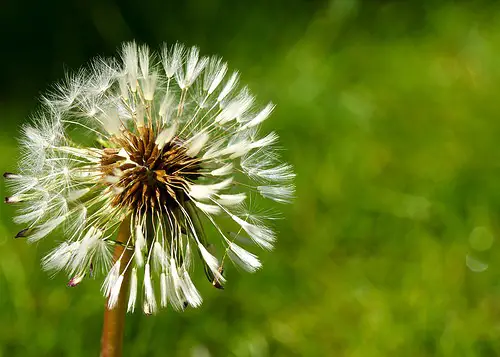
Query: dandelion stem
{"points": [[114, 319]]}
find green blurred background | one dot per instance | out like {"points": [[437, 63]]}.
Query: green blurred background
{"points": [[389, 112]]}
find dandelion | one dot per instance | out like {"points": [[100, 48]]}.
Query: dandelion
{"points": [[165, 146]]}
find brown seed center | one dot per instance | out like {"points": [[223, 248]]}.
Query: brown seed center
{"points": [[150, 178]]}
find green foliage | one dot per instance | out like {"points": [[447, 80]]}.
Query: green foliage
{"points": [[389, 113]]}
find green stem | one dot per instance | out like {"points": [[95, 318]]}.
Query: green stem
{"points": [[114, 319]]}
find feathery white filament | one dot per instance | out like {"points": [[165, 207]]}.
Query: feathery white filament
{"points": [[190, 292], [261, 235], [245, 259], [111, 278], [259, 118], [210, 209], [46, 228], [150, 301], [207, 191], [211, 261], [149, 86], [214, 75], [115, 292], [76, 194], [60, 257], [282, 194], [129, 55], [229, 86], [223, 170], [172, 59], [231, 200], [86, 248], [166, 136], [140, 244], [177, 297], [163, 289], [132, 297], [144, 60], [158, 256], [235, 108], [196, 144], [194, 66]]}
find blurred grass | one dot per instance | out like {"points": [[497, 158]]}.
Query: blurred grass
{"points": [[389, 112]]}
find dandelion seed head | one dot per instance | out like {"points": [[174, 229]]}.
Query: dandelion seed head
{"points": [[166, 141]]}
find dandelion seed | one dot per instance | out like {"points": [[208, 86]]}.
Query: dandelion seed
{"points": [[164, 136], [132, 297]]}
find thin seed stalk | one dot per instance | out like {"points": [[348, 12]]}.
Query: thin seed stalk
{"points": [[114, 319]]}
